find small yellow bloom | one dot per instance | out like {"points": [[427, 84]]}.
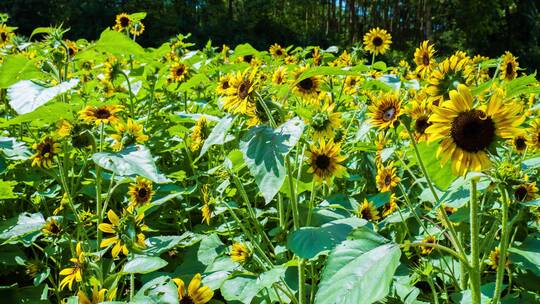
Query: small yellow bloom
{"points": [[195, 293], [240, 253], [367, 211], [75, 272]]}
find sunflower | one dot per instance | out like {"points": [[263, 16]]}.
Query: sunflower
{"points": [[430, 239], [367, 211], [325, 122], [351, 84], [51, 228], [240, 97], [123, 21], [5, 35], [519, 142], [179, 71], [100, 114], [75, 272], [534, 137], [446, 77], [240, 253], [195, 293], [420, 112], [140, 192], [423, 57], [387, 178], [127, 134], [325, 159], [526, 192], [137, 29], [116, 228], [343, 60], [72, 48], [224, 83], [45, 153], [467, 132], [377, 41], [199, 134], [509, 66], [316, 55], [494, 256], [385, 110], [277, 51], [280, 75], [98, 296], [391, 206], [308, 87]]}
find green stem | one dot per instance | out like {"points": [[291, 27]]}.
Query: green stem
{"points": [[301, 281], [311, 201], [99, 205], [502, 246], [475, 260]]}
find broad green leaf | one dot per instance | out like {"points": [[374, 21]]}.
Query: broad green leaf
{"points": [[115, 43], [244, 288], [144, 264], [440, 175], [6, 189], [218, 136], [41, 30], [133, 160], [156, 245], [308, 242], [13, 149], [531, 163], [486, 293], [25, 96], [243, 50], [264, 151], [22, 225], [211, 247], [521, 85], [358, 271], [16, 68], [159, 290], [527, 255], [49, 113]]}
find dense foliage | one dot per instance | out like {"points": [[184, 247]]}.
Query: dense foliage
{"points": [[481, 27], [179, 174]]}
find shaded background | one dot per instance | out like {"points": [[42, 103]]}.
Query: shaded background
{"points": [[478, 26]]}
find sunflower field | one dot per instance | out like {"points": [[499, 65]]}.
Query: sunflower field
{"points": [[289, 175]]}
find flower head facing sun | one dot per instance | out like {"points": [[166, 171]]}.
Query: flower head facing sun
{"points": [[424, 58], [240, 97], [240, 253], [509, 66], [195, 293], [128, 134], [179, 71], [140, 192], [75, 272], [385, 110], [45, 153], [367, 211], [277, 51], [325, 160], [377, 41], [306, 87], [100, 114], [387, 178], [467, 132]]}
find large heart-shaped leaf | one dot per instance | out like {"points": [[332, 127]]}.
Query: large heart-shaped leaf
{"points": [[264, 151], [218, 136], [14, 149], [244, 288], [133, 160], [359, 270], [144, 264], [22, 225], [25, 96], [16, 68]]}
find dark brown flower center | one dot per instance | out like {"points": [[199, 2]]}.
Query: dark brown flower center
{"points": [[387, 180], [421, 124], [179, 71], [3, 36], [473, 131], [46, 148], [187, 300], [103, 113], [389, 114], [279, 52], [520, 143], [377, 41], [425, 59], [521, 193], [225, 85], [366, 213], [306, 84], [142, 193], [248, 58], [124, 21], [322, 162], [509, 68], [243, 89]]}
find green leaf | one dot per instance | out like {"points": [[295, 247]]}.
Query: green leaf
{"points": [[159, 290], [48, 113], [264, 151], [6, 189], [527, 255], [22, 225], [13, 149], [521, 85], [441, 176], [41, 30], [16, 68], [218, 136], [156, 245], [243, 50], [244, 288], [211, 247], [115, 43], [25, 96], [308, 242], [358, 271], [144, 264], [133, 160], [531, 163]]}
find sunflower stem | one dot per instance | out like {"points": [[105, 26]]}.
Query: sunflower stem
{"points": [[99, 204], [502, 246], [301, 281], [474, 276], [311, 201]]}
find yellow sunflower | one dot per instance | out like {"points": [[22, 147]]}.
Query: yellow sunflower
{"points": [[280, 75], [385, 110], [127, 134], [424, 58], [325, 122], [277, 51], [387, 178], [430, 239], [123, 21], [223, 84], [519, 142], [377, 41], [200, 133], [195, 294], [534, 137], [526, 192], [72, 47], [420, 112], [51, 228], [351, 84], [316, 55], [509, 67], [325, 159], [137, 29], [140, 192], [446, 77], [467, 131], [98, 296], [240, 253], [100, 114], [179, 71], [391, 206], [5, 35], [75, 272], [367, 211], [45, 153], [116, 228], [308, 88], [240, 96], [343, 60], [494, 257]]}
